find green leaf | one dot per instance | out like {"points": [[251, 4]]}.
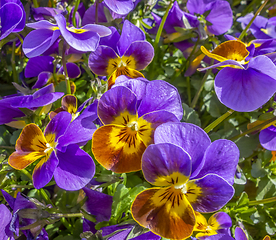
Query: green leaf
{"points": [[257, 169], [190, 115], [243, 200]]}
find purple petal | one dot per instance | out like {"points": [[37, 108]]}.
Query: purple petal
{"points": [[112, 39], [119, 235], [161, 95], [164, 159], [196, 6], [38, 41], [10, 200], [42, 25], [42, 79], [224, 63], [85, 41], [223, 219], [268, 138], [43, 172], [5, 220], [75, 169], [8, 113], [82, 128], [121, 7], [37, 65], [240, 234], [98, 60], [114, 102], [221, 158], [148, 235], [247, 90], [188, 136], [89, 16], [221, 17], [215, 193], [58, 124], [98, 204], [11, 15], [142, 52], [40, 12], [72, 69], [99, 29], [130, 33]]}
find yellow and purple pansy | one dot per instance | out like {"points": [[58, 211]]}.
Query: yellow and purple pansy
{"points": [[57, 152], [122, 55], [216, 228], [190, 174], [242, 84], [46, 33], [240, 235], [130, 112]]}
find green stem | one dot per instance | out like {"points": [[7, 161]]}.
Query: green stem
{"points": [[25, 172], [15, 78], [256, 128], [7, 147], [160, 29], [21, 186], [74, 13], [263, 201], [35, 3], [67, 80], [45, 196], [218, 121], [201, 86], [68, 215], [189, 90], [97, 12], [252, 20], [66, 224]]}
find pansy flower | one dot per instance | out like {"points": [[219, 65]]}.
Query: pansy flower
{"points": [[12, 16], [60, 157], [190, 174], [10, 112], [261, 28], [46, 33], [130, 114], [240, 235], [216, 228], [43, 68], [242, 85], [122, 55]]}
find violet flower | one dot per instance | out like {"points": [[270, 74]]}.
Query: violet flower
{"points": [[59, 155], [190, 174], [122, 55]]}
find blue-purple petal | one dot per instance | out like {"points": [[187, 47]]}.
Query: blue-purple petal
{"points": [[164, 159], [267, 138], [6, 217], [39, 64], [221, 158], [120, 7], [161, 95], [75, 169], [240, 234]]}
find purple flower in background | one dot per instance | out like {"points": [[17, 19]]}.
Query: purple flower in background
{"points": [[12, 17], [43, 68], [45, 34], [122, 55], [267, 138], [190, 174], [219, 18], [60, 157], [261, 28], [121, 7], [6, 217], [23, 212], [9, 106]]}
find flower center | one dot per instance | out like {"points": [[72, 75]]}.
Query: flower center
{"points": [[133, 126]]}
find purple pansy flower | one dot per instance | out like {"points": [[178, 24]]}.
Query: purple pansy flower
{"points": [[59, 155], [9, 107], [261, 28], [6, 217], [20, 205], [122, 55], [12, 17], [267, 138], [45, 34], [130, 112], [242, 84], [191, 174]]}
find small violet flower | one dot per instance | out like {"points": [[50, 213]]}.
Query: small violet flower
{"points": [[57, 152], [242, 84], [130, 112], [122, 55], [190, 174], [45, 34]]}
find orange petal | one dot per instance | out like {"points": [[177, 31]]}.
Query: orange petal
{"points": [[165, 211], [31, 139], [19, 160], [117, 148]]}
